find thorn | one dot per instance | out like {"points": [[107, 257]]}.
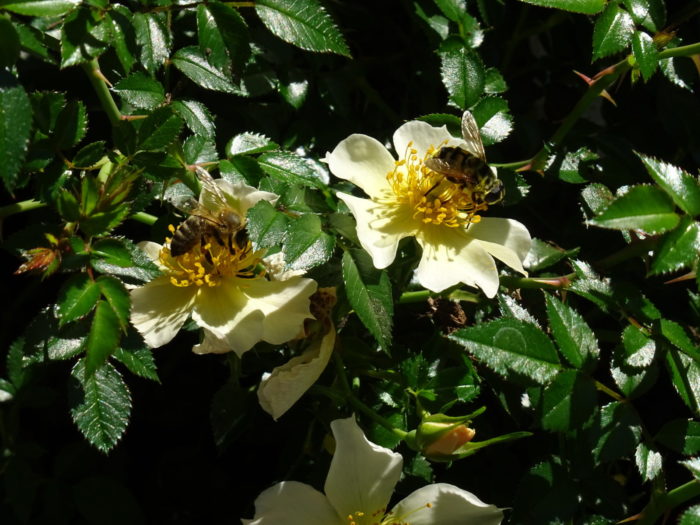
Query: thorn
{"points": [[687, 277], [591, 81]]}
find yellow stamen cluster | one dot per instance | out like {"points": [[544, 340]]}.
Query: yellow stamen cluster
{"points": [[381, 517], [433, 198], [209, 263]]}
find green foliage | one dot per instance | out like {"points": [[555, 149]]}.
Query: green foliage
{"points": [[109, 112]]}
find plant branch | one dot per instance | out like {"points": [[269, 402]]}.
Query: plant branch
{"points": [[99, 83], [19, 207], [682, 51]]}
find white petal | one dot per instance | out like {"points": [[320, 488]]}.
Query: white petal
{"points": [[362, 160], [362, 475], [422, 136], [211, 345], [506, 232], [293, 503], [152, 250], [379, 236], [159, 309], [238, 196], [450, 506], [287, 383], [450, 257]]}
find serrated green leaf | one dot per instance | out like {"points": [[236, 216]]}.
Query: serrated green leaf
{"points": [[597, 197], [39, 7], [67, 342], [677, 249], [643, 207], [649, 462], [35, 43], [121, 35], [510, 307], [572, 166], [508, 345], [494, 83], [494, 119], [294, 92], [15, 127], [266, 226], [198, 149], [71, 125], [693, 465], [140, 268], [7, 391], [650, 14], [612, 32], [575, 338], [303, 23], [463, 74], [83, 37], [77, 298], [542, 255], [159, 129], [681, 436], [195, 66], [15, 364], [677, 336], [685, 377], [291, 168], [153, 38], [645, 53], [640, 349], [249, 144], [567, 402], [690, 516], [141, 91], [669, 67], [683, 188], [90, 154], [136, 357], [102, 412], [588, 7], [369, 293], [632, 381], [103, 337], [9, 43], [117, 296], [223, 35], [452, 9], [47, 105], [306, 245], [618, 432], [197, 117]]}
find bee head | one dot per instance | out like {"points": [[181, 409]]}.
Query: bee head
{"points": [[230, 220]]}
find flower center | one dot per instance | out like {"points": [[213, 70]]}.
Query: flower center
{"points": [[209, 262], [433, 198], [381, 517]]}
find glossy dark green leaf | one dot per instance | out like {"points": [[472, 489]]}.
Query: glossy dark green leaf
{"points": [[494, 119], [510, 307], [649, 461], [452, 9], [103, 222], [223, 35], [141, 91], [632, 381], [675, 334], [101, 412], [462, 74], [640, 349], [77, 298], [15, 127], [122, 36], [294, 92], [572, 166], [197, 68], [617, 433], [47, 105], [304, 23], [511, 346], [249, 144], [643, 207], [693, 465], [71, 125], [677, 249], [612, 32], [198, 149], [690, 516], [685, 377], [35, 43], [266, 226], [90, 154], [159, 129], [683, 188], [291, 168], [681, 436], [9, 43], [576, 340], [567, 402], [651, 14], [645, 53], [197, 117], [103, 337], [138, 269], [39, 7], [83, 37], [137, 357], [543, 255], [117, 296], [112, 250], [494, 82], [588, 7], [306, 245], [153, 38], [596, 197], [369, 293]]}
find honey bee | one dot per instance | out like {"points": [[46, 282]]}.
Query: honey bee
{"points": [[467, 165], [225, 226]]}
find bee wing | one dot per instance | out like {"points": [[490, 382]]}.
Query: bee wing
{"points": [[471, 135], [209, 185]]}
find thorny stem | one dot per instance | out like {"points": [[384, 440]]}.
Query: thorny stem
{"points": [[98, 81], [663, 503], [359, 405], [145, 218], [609, 391], [19, 207], [682, 51]]}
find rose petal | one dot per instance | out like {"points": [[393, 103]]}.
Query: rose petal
{"points": [[293, 503], [362, 475], [506, 232], [159, 309], [450, 505], [152, 250], [364, 161], [422, 136], [212, 345]]}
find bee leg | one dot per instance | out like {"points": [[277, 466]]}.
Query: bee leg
{"points": [[207, 253]]}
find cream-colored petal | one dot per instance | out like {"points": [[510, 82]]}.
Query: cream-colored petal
{"points": [[362, 475], [287, 383], [506, 232], [378, 235], [362, 160], [152, 250], [450, 505], [422, 136], [451, 257], [159, 309], [211, 345], [293, 503]]}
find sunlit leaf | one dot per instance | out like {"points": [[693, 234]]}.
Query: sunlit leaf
{"points": [[612, 32], [15, 126], [588, 7], [576, 340], [462, 74], [306, 244], [141, 91], [683, 188]]}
